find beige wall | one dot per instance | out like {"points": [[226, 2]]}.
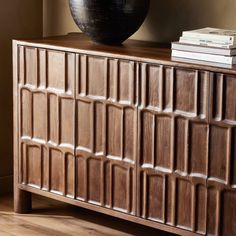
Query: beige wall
{"points": [[165, 21], [18, 19]]}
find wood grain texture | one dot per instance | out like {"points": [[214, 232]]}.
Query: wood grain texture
{"points": [[51, 217], [126, 131]]}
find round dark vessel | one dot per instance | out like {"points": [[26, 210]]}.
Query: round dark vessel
{"points": [[109, 21]]}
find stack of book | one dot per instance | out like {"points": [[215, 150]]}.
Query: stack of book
{"points": [[207, 44]]}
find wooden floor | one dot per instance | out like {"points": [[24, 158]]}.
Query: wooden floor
{"points": [[52, 218]]}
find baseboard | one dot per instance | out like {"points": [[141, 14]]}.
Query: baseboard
{"points": [[6, 184]]}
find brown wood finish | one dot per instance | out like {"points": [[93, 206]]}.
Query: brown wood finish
{"points": [[50, 217], [126, 131]]}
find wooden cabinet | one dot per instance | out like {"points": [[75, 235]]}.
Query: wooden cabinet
{"points": [[126, 131]]}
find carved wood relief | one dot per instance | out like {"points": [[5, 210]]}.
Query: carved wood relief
{"points": [[149, 140], [106, 121], [186, 153], [79, 151]]}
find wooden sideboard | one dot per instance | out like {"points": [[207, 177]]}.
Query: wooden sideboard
{"points": [[126, 131]]}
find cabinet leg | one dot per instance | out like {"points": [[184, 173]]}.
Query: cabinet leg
{"points": [[22, 201]]}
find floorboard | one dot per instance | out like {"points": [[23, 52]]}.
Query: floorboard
{"points": [[53, 218]]}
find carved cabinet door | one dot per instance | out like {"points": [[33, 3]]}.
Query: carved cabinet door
{"points": [[222, 156], [78, 126], [46, 111], [173, 146], [105, 134], [186, 159]]}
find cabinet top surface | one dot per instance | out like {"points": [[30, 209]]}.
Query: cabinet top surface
{"points": [[130, 50]]}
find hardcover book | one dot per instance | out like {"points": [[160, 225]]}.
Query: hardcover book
{"points": [[204, 42], [212, 34], [203, 49], [204, 57]]}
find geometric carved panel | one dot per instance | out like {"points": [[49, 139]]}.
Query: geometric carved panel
{"points": [[175, 201], [47, 69], [45, 168], [21, 65], [155, 201], [81, 168], [129, 127], [70, 174], [228, 215], [218, 152], [233, 158], [147, 134], [224, 104], [199, 148], [31, 64], [67, 115], [105, 132], [105, 182], [94, 180], [154, 86], [114, 116], [26, 111], [126, 83], [33, 160], [217, 96], [53, 108], [123, 188], [56, 171], [96, 76], [102, 78], [84, 117], [212, 211], [120, 193], [167, 92], [185, 91], [56, 70], [99, 114], [48, 168], [181, 132], [230, 101], [155, 147], [173, 89], [47, 117], [163, 128], [42, 68], [105, 128], [39, 116], [184, 206], [121, 81], [121, 185], [200, 208]]}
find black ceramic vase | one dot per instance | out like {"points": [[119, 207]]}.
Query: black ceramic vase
{"points": [[109, 21]]}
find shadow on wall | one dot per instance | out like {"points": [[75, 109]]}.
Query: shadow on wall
{"points": [[168, 18], [18, 19]]}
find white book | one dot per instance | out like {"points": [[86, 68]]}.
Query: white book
{"points": [[198, 62], [204, 57], [203, 49], [209, 43], [223, 35]]}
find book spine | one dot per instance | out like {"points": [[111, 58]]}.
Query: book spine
{"points": [[203, 57], [208, 43], [211, 37]]}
